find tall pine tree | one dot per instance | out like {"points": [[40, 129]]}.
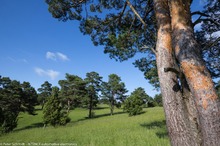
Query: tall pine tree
{"points": [[93, 86], [163, 31]]}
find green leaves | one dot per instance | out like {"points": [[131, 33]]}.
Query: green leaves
{"points": [[158, 99], [44, 92], [112, 24], [72, 90], [15, 98], [93, 86], [134, 103], [114, 90], [53, 111], [61, 9]]}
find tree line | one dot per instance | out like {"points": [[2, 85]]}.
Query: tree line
{"points": [[74, 91]]}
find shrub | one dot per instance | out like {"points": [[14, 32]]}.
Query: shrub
{"points": [[133, 105]]}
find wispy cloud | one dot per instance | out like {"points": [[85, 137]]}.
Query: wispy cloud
{"points": [[56, 56], [62, 56], [49, 73], [17, 60], [51, 55]]}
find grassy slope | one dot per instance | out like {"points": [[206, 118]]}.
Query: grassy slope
{"points": [[147, 129]]}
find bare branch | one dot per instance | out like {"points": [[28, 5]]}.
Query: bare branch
{"points": [[171, 69], [199, 13], [122, 12], [211, 44], [152, 49], [132, 24], [136, 13], [199, 20], [77, 3]]}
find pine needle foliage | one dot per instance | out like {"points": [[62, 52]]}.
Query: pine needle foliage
{"points": [[53, 111]]}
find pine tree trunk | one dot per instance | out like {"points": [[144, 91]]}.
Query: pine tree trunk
{"points": [[177, 116], [188, 53], [193, 116], [68, 105], [90, 107], [112, 105], [42, 107]]}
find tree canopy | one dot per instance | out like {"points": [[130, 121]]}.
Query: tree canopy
{"points": [[114, 90], [135, 102], [53, 111], [93, 86], [44, 92], [73, 90], [15, 98], [125, 28]]}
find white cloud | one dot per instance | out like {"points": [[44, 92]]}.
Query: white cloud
{"points": [[56, 56], [17, 60], [52, 74], [51, 55], [62, 56], [49, 73]]}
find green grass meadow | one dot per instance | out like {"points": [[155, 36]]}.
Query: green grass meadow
{"points": [[147, 129]]}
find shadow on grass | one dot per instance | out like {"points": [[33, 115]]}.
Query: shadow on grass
{"points": [[108, 114], [41, 125], [100, 108], [159, 125], [38, 109], [95, 117], [35, 125]]}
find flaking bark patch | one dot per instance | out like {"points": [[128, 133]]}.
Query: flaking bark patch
{"points": [[197, 75], [201, 83], [204, 104]]}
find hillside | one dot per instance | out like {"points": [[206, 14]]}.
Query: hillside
{"points": [[147, 129]]}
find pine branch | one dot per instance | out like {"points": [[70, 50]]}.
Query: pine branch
{"points": [[199, 13], [152, 49], [136, 13], [122, 12], [142, 21], [199, 20], [132, 24], [211, 44]]}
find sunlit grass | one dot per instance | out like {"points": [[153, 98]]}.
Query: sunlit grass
{"points": [[147, 129]]}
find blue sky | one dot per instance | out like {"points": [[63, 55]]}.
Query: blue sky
{"points": [[36, 47]]}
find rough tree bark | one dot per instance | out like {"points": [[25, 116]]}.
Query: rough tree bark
{"points": [[193, 115], [187, 51], [177, 119]]}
